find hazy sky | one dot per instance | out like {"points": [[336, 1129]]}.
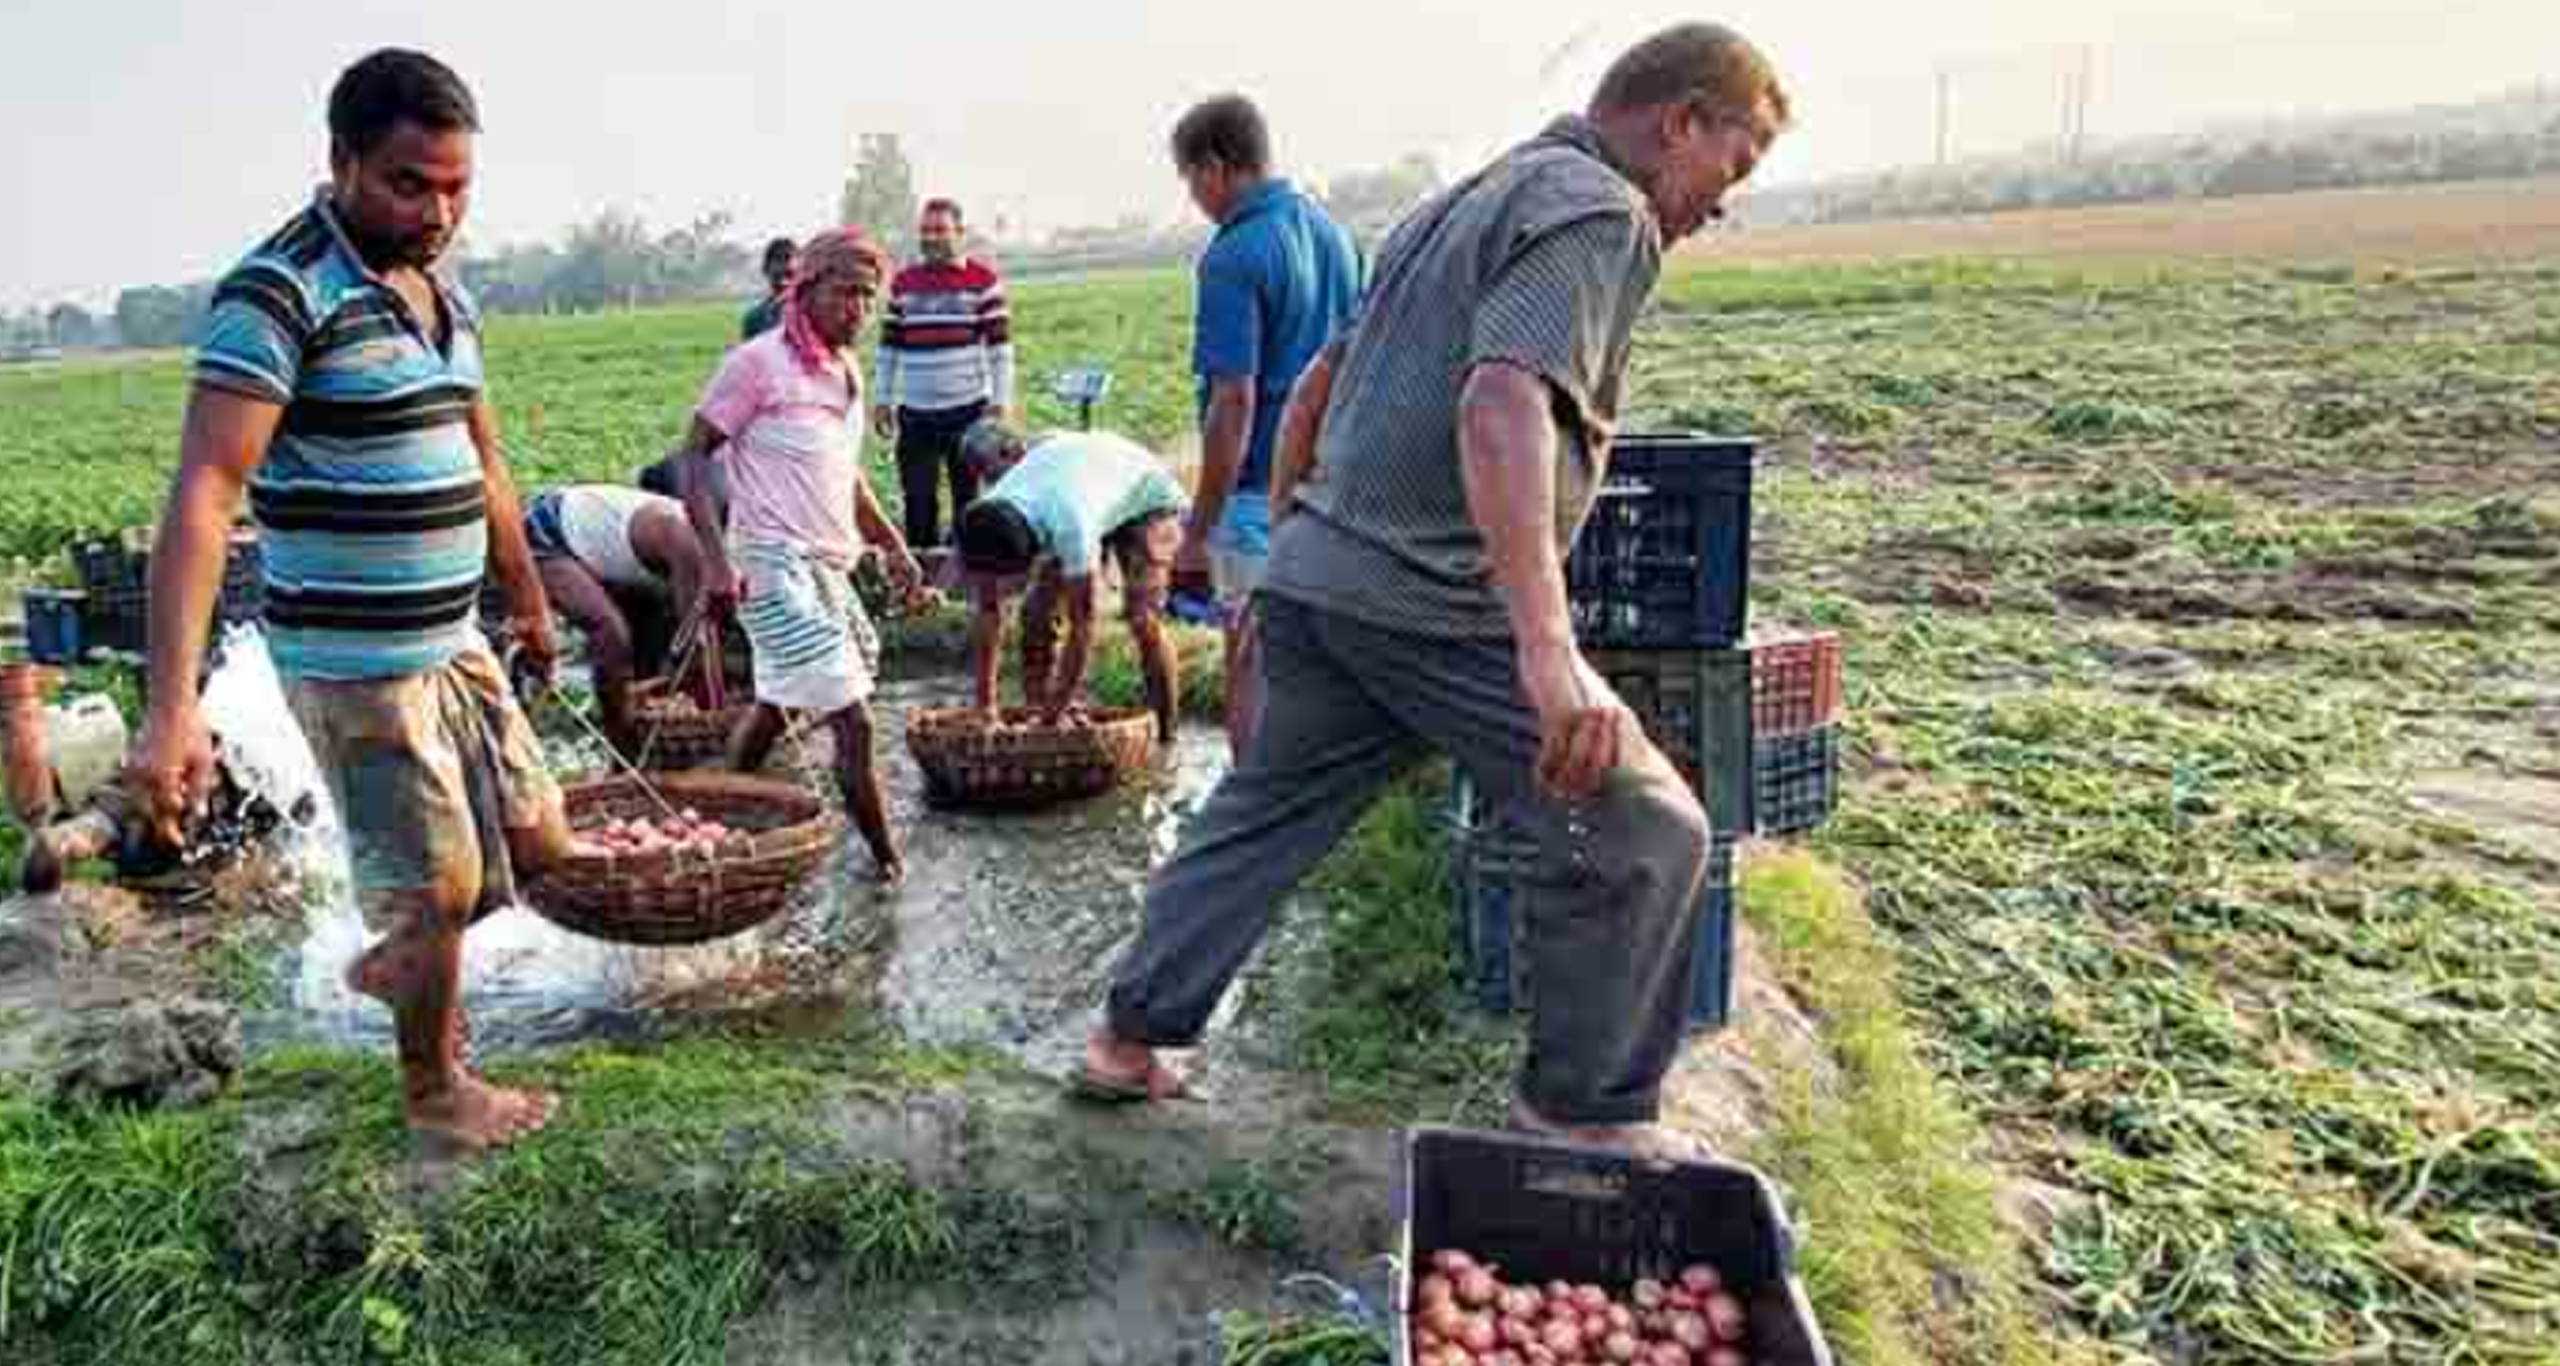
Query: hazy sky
{"points": [[153, 141]]}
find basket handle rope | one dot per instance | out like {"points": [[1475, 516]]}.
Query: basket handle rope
{"points": [[697, 641], [629, 769]]}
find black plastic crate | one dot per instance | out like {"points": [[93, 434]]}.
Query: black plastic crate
{"points": [[1545, 1211], [108, 564], [1795, 780], [1485, 865], [1664, 560], [117, 619]]}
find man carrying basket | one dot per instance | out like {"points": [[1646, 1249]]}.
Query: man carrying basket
{"points": [[784, 418], [338, 387]]}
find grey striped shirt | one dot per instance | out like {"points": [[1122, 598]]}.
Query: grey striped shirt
{"points": [[1542, 260]]}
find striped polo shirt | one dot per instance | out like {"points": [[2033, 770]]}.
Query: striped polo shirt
{"points": [[370, 502], [1543, 261], [948, 340]]}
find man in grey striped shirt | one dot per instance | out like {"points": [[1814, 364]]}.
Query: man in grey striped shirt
{"points": [[1415, 598]]}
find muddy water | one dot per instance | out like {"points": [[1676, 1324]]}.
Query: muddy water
{"points": [[1002, 935]]}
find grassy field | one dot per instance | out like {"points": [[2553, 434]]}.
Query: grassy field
{"points": [[2173, 594], [2469, 224], [91, 447]]}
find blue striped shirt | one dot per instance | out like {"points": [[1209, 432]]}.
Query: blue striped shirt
{"points": [[371, 502]]}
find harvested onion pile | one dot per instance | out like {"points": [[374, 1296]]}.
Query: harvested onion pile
{"points": [[1464, 1315], [687, 829]]}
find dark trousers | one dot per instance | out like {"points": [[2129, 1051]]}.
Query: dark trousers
{"points": [[1610, 902], [929, 453]]}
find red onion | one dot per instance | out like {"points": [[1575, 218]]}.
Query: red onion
{"points": [[1724, 1315]]}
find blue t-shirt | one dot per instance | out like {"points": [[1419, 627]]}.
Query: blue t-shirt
{"points": [[1280, 277]]}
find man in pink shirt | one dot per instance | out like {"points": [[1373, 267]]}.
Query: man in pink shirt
{"points": [[783, 416]]}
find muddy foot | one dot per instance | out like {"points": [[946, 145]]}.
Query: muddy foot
{"points": [[473, 1116]]}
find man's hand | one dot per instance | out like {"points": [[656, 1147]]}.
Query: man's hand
{"points": [[1584, 730], [906, 576], [1064, 712], [537, 649], [1191, 558], [170, 771], [884, 420], [723, 588]]}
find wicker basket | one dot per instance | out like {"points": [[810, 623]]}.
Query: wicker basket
{"points": [[781, 833], [1027, 763], [675, 733]]}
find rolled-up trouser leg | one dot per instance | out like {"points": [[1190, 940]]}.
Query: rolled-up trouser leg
{"points": [[1325, 751]]}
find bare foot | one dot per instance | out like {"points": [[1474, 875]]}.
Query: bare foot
{"points": [[473, 1116], [890, 871], [1651, 1142]]}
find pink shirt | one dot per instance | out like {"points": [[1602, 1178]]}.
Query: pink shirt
{"points": [[795, 443]]}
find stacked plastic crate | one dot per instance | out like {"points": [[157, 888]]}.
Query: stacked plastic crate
{"points": [[1659, 584]]}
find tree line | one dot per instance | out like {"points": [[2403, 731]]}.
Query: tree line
{"points": [[2511, 136], [617, 260]]}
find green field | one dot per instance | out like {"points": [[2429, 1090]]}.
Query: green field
{"points": [[2189, 615]]}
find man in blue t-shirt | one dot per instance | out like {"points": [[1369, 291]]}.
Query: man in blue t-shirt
{"points": [[1280, 277]]}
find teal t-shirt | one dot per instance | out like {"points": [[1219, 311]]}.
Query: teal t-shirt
{"points": [[1075, 488]]}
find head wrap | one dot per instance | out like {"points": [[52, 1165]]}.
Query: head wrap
{"points": [[838, 253]]}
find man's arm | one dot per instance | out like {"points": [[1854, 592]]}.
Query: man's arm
{"points": [[225, 440], [1226, 351], [986, 639], [510, 554], [1080, 594], [995, 318], [1293, 455], [1507, 456], [877, 529], [1225, 430]]}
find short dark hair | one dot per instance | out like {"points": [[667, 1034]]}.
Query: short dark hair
{"points": [[779, 249], [395, 86], [938, 204], [995, 538], [1226, 129], [1707, 64]]}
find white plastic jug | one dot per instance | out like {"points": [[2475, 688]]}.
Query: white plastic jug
{"points": [[86, 739]]}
